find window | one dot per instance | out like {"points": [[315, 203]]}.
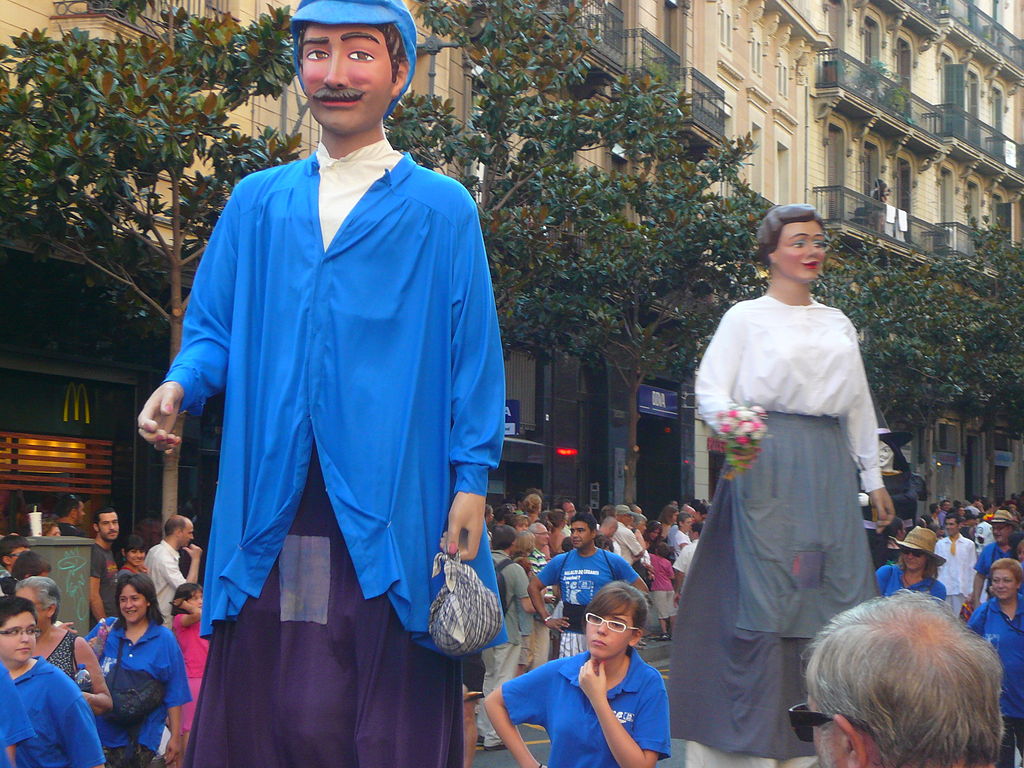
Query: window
{"points": [[836, 23], [725, 26], [756, 51], [835, 171], [782, 84], [997, 109], [904, 62], [870, 167], [904, 184], [946, 192], [973, 201], [872, 40], [782, 175], [973, 94]]}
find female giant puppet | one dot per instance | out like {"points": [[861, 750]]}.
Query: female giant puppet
{"points": [[783, 550], [344, 306]]}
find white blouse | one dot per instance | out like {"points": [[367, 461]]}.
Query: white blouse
{"points": [[792, 359]]}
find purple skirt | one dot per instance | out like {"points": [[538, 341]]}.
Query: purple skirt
{"points": [[312, 674]]}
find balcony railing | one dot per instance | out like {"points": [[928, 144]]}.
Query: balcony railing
{"points": [[956, 237], [707, 101], [842, 206], [112, 8], [607, 25], [986, 28], [958, 123], [837, 69], [646, 54]]}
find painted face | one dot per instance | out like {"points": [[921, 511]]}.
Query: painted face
{"points": [[347, 75], [1004, 585], [134, 606], [18, 639], [605, 643], [800, 254], [884, 455]]}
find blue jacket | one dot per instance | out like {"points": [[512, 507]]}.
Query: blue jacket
{"points": [[14, 723], [383, 349], [890, 581]]}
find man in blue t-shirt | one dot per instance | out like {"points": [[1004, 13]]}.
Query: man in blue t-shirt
{"points": [[1003, 524], [578, 574], [14, 723]]}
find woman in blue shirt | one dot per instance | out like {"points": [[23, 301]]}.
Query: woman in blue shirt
{"points": [[143, 644], [1000, 620], [916, 569], [605, 708]]}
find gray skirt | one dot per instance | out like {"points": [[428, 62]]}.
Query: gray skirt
{"points": [[782, 552]]}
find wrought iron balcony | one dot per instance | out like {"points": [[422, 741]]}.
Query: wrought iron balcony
{"points": [[843, 207], [646, 54], [956, 237], [870, 82], [986, 29], [606, 24], [112, 8], [707, 102], [957, 123]]}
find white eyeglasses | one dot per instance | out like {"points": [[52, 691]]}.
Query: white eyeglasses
{"points": [[614, 626]]}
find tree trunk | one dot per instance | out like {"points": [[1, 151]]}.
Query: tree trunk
{"points": [[169, 495], [633, 450]]}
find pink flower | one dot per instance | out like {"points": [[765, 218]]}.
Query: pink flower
{"points": [[732, 414], [742, 439], [725, 428]]}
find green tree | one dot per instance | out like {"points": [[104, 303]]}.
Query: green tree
{"points": [[119, 154], [632, 265]]}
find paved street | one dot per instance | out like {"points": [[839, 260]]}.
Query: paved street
{"points": [[656, 654]]}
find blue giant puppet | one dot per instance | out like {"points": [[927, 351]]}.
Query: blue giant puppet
{"points": [[344, 306]]}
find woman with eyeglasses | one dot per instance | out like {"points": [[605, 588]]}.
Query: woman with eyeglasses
{"points": [[917, 567], [1000, 620], [604, 708], [784, 548]]}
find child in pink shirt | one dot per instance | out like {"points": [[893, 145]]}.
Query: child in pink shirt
{"points": [[186, 611], [662, 590]]}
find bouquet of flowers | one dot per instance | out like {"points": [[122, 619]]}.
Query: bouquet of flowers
{"points": [[742, 428]]}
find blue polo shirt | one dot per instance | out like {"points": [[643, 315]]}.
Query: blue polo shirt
{"points": [[989, 554], [1007, 637], [580, 577], [157, 652], [890, 581], [14, 723], [64, 725], [550, 696]]}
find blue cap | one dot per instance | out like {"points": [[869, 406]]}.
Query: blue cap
{"points": [[372, 12]]}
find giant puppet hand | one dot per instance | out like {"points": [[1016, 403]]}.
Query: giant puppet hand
{"points": [[881, 504], [159, 414], [465, 525]]}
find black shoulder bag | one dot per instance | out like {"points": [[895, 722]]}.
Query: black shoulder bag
{"points": [[135, 693]]}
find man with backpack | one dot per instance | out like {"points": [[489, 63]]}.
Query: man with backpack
{"points": [[579, 574], [501, 661]]}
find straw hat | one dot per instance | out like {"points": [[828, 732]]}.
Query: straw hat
{"points": [[1004, 516], [921, 539]]}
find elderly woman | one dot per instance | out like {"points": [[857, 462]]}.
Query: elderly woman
{"points": [[59, 645], [139, 642], [917, 567], [784, 550], [1000, 620]]}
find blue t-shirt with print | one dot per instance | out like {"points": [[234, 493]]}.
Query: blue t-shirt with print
{"points": [[1007, 637], [580, 577], [550, 696]]}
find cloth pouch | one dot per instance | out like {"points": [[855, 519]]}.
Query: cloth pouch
{"points": [[465, 616]]}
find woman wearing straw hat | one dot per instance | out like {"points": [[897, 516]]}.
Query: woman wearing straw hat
{"points": [[917, 568]]}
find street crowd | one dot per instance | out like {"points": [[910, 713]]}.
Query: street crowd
{"points": [[571, 583]]}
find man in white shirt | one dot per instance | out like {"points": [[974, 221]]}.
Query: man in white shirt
{"points": [[957, 573], [630, 547], [682, 564], [162, 562]]}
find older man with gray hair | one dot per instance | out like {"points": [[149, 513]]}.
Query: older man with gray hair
{"points": [[900, 682]]}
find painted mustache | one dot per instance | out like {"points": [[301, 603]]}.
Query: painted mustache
{"points": [[338, 94]]}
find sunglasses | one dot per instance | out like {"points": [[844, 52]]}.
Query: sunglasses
{"points": [[803, 721]]}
